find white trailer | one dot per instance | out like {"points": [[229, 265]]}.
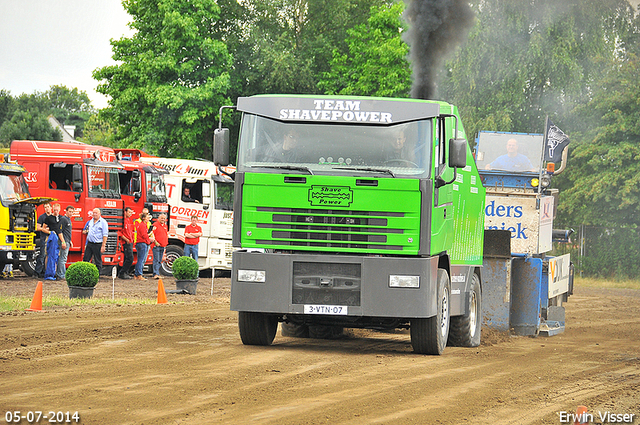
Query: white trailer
{"points": [[212, 193]]}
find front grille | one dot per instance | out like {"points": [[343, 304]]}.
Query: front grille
{"points": [[114, 217], [112, 243], [23, 241], [330, 228], [326, 283]]}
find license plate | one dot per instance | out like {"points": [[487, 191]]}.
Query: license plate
{"points": [[325, 309]]}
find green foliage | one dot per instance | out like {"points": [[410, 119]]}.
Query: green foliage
{"points": [[98, 131], [25, 117], [185, 268], [528, 59], [172, 79], [82, 274], [27, 125], [375, 64]]}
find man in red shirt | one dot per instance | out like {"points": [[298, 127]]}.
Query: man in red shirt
{"points": [[192, 235], [126, 235], [161, 235]]}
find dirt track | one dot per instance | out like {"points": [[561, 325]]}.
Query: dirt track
{"points": [[184, 363]]}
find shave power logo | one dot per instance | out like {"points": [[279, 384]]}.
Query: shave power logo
{"points": [[335, 196]]}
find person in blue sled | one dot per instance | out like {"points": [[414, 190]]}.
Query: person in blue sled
{"points": [[512, 160]]}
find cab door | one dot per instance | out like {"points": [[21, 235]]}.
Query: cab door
{"points": [[442, 216]]}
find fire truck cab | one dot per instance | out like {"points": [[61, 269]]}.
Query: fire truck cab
{"points": [[77, 174]]}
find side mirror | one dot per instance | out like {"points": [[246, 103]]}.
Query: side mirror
{"points": [[76, 173], [221, 146], [135, 184], [457, 153]]}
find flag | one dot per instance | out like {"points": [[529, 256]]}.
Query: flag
{"points": [[556, 142]]}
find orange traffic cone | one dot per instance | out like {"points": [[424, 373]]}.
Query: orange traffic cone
{"points": [[582, 417], [36, 302], [162, 295]]}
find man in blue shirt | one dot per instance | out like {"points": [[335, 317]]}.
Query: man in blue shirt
{"points": [[512, 160], [97, 231]]}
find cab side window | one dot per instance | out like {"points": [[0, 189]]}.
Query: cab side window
{"points": [[61, 176]]}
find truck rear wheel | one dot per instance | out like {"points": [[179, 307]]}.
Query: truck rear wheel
{"points": [[429, 336], [325, 332], [294, 331], [257, 328], [172, 253], [465, 330]]}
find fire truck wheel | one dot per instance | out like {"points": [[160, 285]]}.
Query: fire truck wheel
{"points": [[257, 328], [29, 265], [293, 330], [429, 336], [465, 329], [172, 253]]}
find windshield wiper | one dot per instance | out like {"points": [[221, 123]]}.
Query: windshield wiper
{"points": [[286, 167], [374, 170]]}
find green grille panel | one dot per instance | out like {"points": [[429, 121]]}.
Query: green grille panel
{"points": [[381, 219]]}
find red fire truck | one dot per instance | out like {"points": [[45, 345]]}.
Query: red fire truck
{"points": [[142, 186], [77, 174]]}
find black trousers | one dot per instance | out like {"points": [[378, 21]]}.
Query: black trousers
{"points": [[93, 250], [128, 258]]}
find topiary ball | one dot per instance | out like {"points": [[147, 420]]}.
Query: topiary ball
{"points": [[185, 268], [83, 274]]}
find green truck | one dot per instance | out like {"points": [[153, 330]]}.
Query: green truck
{"points": [[355, 212]]}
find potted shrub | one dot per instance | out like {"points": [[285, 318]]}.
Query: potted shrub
{"points": [[186, 270], [82, 277]]}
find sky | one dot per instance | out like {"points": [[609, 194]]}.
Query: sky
{"points": [[58, 42]]}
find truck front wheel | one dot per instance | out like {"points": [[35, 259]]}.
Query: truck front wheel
{"points": [[465, 329], [29, 265], [171, 254], [429, 336], [257, 328]]}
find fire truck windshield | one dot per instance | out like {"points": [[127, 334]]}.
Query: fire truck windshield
{"points": [[155, 188], [103, 182], [13, 188], [401, 149]]}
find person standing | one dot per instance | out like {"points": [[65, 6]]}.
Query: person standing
{"points": [[97, 231], [142, 244], [192, 235], [65, 229], [145, 210], [55, 241], [161, 236], [43, 234], [127, 243]]}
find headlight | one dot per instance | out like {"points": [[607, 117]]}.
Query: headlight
{"points": [[251, 276], [9, 239], [396, 281]]}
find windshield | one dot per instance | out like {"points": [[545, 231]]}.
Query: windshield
{"points": [[155, 188], [103, 182], [224, 196], [509, 152], [334, 148], [13, 188]]}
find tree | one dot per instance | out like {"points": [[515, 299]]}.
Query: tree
{"points": [[602, 185], [98, 132], [376, 63], [173, 78], [27, 125], [528, 59]]}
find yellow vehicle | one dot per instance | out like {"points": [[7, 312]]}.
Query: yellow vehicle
{"points": [[17, 215]]}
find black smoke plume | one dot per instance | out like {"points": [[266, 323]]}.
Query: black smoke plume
{"points": [[436, 27]]}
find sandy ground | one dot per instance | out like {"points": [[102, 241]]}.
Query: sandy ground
{"points": [[184, 363]]}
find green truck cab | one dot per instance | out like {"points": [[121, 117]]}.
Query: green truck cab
{"points": [[355, 212]]}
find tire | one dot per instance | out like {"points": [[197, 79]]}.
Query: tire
{"points": [[257, 328], [325, 332], [429, 336], [29, 265], [465, 330], [172, 252], [294, 331]]}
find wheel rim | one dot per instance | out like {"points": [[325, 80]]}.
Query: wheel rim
{"points": [[169, 259], [473, 316], [444, 325]]}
